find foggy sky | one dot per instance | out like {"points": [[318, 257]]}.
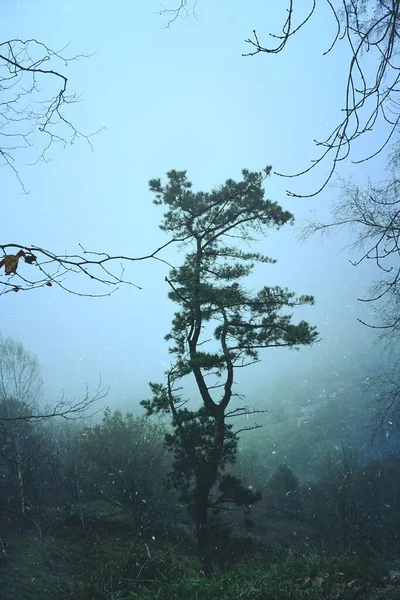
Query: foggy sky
{"points": [[175, 98]]}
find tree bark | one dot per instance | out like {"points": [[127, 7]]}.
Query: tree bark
{"points": [[3, 553], [20, 479], [203, 527], [205, 478]]}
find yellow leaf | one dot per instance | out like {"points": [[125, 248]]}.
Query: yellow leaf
{"points": [[10, 262]]}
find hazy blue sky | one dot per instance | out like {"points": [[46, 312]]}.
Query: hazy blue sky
{"points": [[177, 98]]}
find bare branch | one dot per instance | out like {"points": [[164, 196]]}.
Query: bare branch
{"points": [[33, 102], [372, 213], [384, 392], [250, 428], [180, 11], [48, 268], [371, 31], [244, 411], [32, 115]]}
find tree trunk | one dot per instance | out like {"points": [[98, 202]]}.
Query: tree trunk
{"points": [[79, 496], [20, 479], [3, 554], [205, 479], [203, 527]]}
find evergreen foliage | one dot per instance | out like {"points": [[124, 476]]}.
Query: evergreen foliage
{"points": [[220, 326]]}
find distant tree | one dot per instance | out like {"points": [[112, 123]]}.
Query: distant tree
{"points": [[20, 385], [122, 461], [57, 473], [283, 493], [371, 213], [20, 378], [376, 491], [34, 99], [339, 469], [383, 391], [220, 327], [21, 414]]}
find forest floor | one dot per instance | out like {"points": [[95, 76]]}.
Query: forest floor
{"points": [[69, 563]]}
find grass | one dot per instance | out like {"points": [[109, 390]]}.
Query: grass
{"points": [[296, 575], [23, 577], [102, 563], [39, 568]]}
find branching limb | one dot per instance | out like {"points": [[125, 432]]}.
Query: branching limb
{"points": [[181, 10], [372, 213], [371, 100], [34, 100], [64, 408], [45, 268]]}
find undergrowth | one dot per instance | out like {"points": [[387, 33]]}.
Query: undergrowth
{"points": [[298, 574], [95, 565]]}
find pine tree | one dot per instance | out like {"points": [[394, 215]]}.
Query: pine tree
{"points": [[220, 326]]}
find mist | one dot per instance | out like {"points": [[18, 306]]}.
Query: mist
{"points": [[160, 97]]}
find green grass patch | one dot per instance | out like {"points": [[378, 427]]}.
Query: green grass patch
{"points": [[104, 564], [294, 575]]}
